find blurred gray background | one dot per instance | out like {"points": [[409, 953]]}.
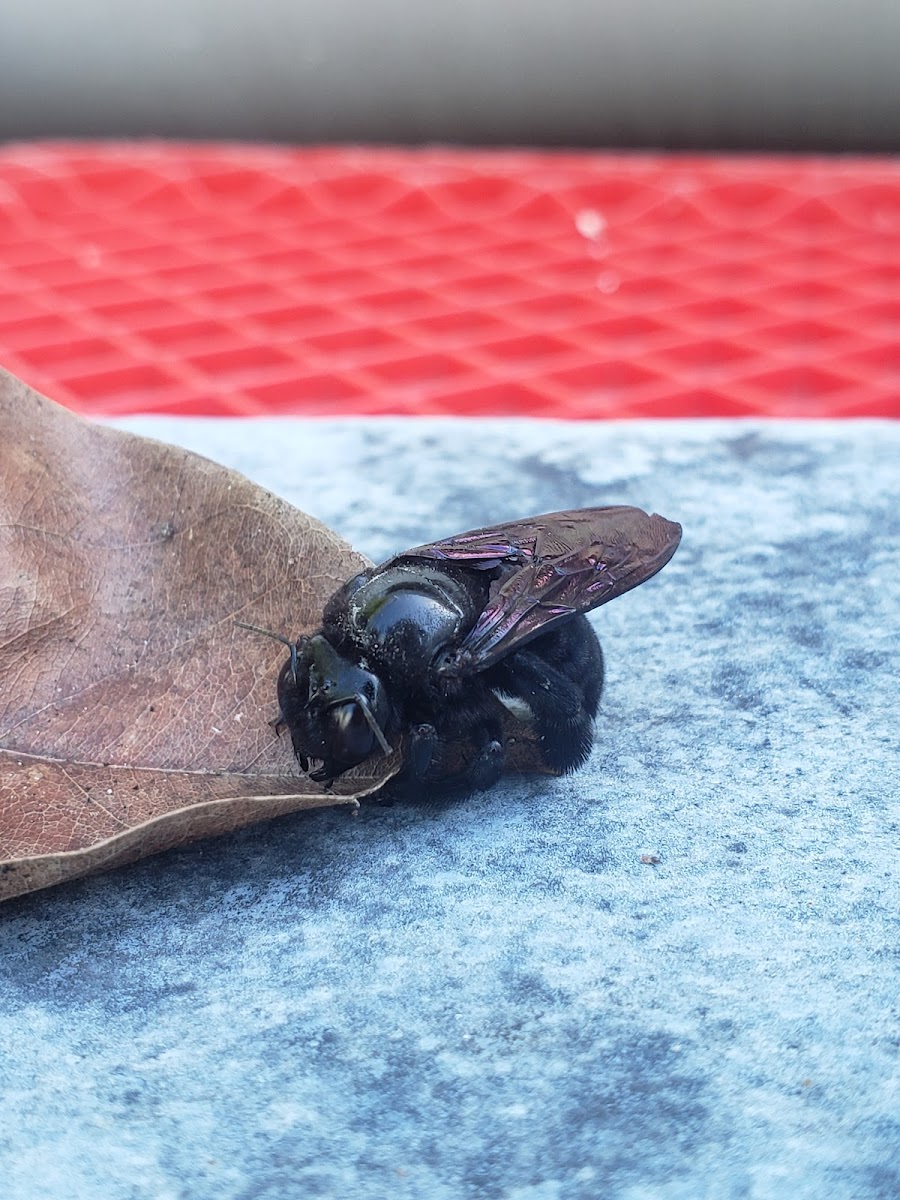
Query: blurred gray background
{"points": [[795, 75]]}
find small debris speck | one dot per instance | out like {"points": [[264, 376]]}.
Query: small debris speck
{"points": [[650, 860], [590, 224]]}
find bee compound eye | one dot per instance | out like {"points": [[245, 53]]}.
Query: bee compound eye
{"points": [[350, 736]]}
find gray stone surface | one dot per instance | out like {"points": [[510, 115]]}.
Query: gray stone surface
{"points": [[497, 998]]}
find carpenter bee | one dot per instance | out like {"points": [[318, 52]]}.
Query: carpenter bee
{"points": [[424, 644]]}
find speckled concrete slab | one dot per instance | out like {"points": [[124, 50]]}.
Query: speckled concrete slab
{"points": [[498, 998]]}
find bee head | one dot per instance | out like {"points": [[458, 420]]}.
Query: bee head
{"points": [[335, 710]]}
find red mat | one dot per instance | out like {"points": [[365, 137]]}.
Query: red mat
{"points": [[236, 280]]}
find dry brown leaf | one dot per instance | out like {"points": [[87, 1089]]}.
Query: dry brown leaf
{"points": [[133, 713]]}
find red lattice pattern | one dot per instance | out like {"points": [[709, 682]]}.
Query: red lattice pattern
{"points": [[244, 280]]}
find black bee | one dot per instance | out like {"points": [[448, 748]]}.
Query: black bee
{"points": [[424, 644]]}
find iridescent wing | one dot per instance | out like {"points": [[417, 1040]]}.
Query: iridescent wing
{"points": [[549, 568]]}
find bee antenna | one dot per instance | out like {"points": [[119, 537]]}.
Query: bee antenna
{"points": [[372, 723], [278, 637]]}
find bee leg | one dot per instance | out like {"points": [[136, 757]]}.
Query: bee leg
{"points": [[278, 723], [476, 720], [325, 775], [481, 772], [429, 773], [422, 742], [487, 766], [562, 712], [574, 651], [300, 757], [407, 783]]}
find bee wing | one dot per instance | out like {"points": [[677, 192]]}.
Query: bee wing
{"points": [[551, 567]]}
